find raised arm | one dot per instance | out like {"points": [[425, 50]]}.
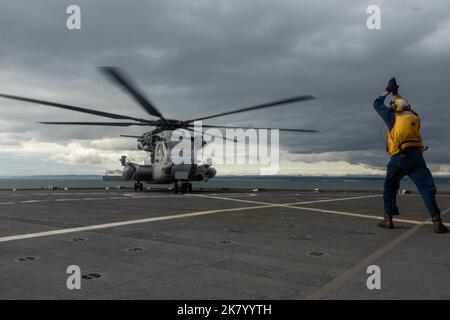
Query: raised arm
{"points": [[385, 113]]}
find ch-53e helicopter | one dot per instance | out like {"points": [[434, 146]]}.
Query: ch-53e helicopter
{"points": [[156, 142]]}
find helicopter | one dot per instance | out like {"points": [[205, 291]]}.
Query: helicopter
{"points": [[156, 142]]}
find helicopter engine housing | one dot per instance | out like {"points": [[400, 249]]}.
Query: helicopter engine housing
{"points": [[148, 138]]}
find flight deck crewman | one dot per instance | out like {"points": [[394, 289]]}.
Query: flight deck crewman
{"points": [[405, 146]]}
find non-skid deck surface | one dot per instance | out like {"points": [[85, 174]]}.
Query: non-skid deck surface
{"points": [[217, 245]]}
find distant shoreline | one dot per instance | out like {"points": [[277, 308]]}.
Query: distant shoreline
{"points": [[327, 183]]}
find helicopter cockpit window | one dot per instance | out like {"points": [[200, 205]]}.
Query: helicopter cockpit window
{"points": [[159, 153]]}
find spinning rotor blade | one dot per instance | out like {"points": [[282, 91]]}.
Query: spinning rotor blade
{"points": [[239, 127], [130, 136], [112, 124], [260, 106], [116, 75], [209, 134], [73, 108]]}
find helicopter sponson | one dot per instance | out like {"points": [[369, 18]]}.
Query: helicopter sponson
{"points": [[137, 172]]}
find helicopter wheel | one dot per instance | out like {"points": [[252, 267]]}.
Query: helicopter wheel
{"points": [[189, 187], [136, 187], [141, 186], [176, 187], [184, 187]]}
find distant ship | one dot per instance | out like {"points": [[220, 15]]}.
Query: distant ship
{"points": [[113, 175]]}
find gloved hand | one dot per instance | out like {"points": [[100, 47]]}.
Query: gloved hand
{"points": [[392, 86]]}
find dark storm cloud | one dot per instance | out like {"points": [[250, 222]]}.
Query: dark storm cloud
{"points": [[200, 57]]}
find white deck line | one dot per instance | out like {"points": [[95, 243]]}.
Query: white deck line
{"points": [[260, 205]]}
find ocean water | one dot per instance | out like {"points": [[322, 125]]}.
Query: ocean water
{"points": [[225, 182]]}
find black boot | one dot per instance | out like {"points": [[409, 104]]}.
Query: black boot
{"points": [[439, 227], [386, 223]]}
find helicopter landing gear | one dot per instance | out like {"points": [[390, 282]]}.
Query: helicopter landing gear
{"points": [[182, 186], [138, 186]]}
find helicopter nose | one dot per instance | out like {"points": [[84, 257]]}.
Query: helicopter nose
{"points": [[210, 173], [127, 173]]}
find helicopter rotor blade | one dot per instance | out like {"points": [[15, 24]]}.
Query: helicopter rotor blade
{"points": [[119, 77], [73, 108], [131, 136], [260, 106], [240, 127], [209, 134], [113, 124]]}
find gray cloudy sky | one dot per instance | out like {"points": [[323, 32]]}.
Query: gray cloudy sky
{"points": [[199, 57]]}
